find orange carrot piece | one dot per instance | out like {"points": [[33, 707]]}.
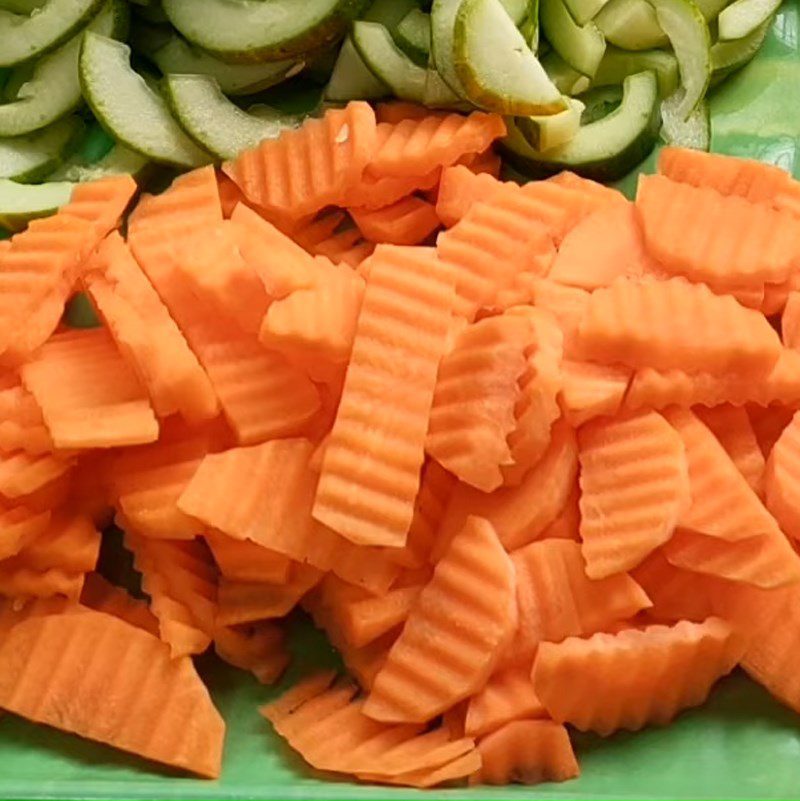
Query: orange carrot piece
{"points": [[396, 111], [635, 487], [611, 682], [13, 611], [70, 543], [22, 474], [782, 479], [258, 650], [463, 619], [591, 390], [242, 560], [409, 221], [567, 304], [459, 190], [21, 423], [675, 325], [370, 471], [706, 236], [486, 163], [17, 580], [507, 696], [526, 752], [378, 191], [230, 196], [768, 424], [45, 676], [306, 169], [364, 620], [102, 596], [101, 203], [19, 526], [790, 322], [566, 525], [89, 395]]}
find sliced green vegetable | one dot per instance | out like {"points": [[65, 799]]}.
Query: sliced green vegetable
{"points": [[215, 123], [20, 203], [566, 79], [584, 10], [23, 37], [128, 108], [547, 132], [438, 94], [603, 150], [529, 28], [617, 64], [727, 57], [631, 25], [518, 10], [27, 159], [742, 17], [352, 79], [52, 90], [21, 6], [581, 46], [262, 30], [694, 132], [443, 23], [413, 34], [390, 13], [600, 102], [688, 32], [118, 161]]}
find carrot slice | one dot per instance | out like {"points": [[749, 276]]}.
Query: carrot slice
{"points": [[19, 526], [102, 596], [459, 190], [14, 611], [370, 472], [768, 424], [21, 423], [675, 325], [242, 560], [706, 236], [146, 334], [70, 543], [56, 669], [567, 304], [790, 322], [101, 203], [782, 479], [732, 427], [507, 696], [89, 395], [259, 650], [364, 620], [306, 169], [723, 504], [604, 246], [415, 147], [398, 110], [591, 390], [486, 163], [463, 619], [378, 191], [635, 487], [477, 393], [566, 526], [409, 221], [22, 474], [611, 682], [526, 752]]}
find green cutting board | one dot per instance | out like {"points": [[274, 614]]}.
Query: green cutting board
{"points": [[741, 744]]}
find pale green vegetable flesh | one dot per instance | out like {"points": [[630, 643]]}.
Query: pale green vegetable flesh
{"points": [[20, 203], [743, 17], [581, 46], [583, 11], [413, 34], [29, 158], [352, 79], [118, 161], [631, 25], [443, 23], [617, 64], [547, 132]]}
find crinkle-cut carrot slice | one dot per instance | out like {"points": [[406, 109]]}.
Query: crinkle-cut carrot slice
{"points": [[526, 752], [766, 561], [102, 596], [707, 236], [723, 504], [415, 147], [86, 673], [409, 221], [556, 599], [377, 191], [675, 594], [55, 494], [22, 473], [776, 296], [753, 180], [348, 247], [789, 199], [519, 514], [507, 696], [768, 424], [70, 543], [566, 525], [732, 427], [673, 324], [243, 560], [455, 633], [17, 580], [230, 196], [459, 190], [315, 327], [567, 304], [790, 322], [658, 389], [14, 611], [605, 245], [275, 490], [477, 393], [591, 390], [146, 334], [635, 488], [257, 649], [611, 682], [782, 479], [217, 272], [19, 526], [101, 203], [460, 768], [395, 111], [366, 619], [486, 163], [598, 191], [370, 472], [306, 169], [537, 406], [90, 397], [21, 423]]}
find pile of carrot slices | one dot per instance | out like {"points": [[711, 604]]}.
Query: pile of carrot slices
{"points": [[527, 454]]}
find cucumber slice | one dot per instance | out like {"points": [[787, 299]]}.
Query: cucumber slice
{"points": [[603, 150], [53, 88], [438, 94], [518, 10], [495, 64], [27, 159], [128, 108], [118, 161], [413, 34], [23, 37], [20, 203], [17, 78], [566, 79], [545, 133], [688, 31], [152, 12], [617, 64], [388, 62], [631, 25], [743, 17], [390, 13], [584, 10], [581, 46], [727, 57], [529, 28], [262, 30], [170, 53], [600, 102], [21, 6], [694, 133], [215, 123], [443, 23], [352, 79]]}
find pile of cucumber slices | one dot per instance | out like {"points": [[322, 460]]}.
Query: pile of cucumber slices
{"points": [[585, 84]]}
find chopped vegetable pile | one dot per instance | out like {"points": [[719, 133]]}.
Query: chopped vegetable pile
{"points": [[526, 454]]}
